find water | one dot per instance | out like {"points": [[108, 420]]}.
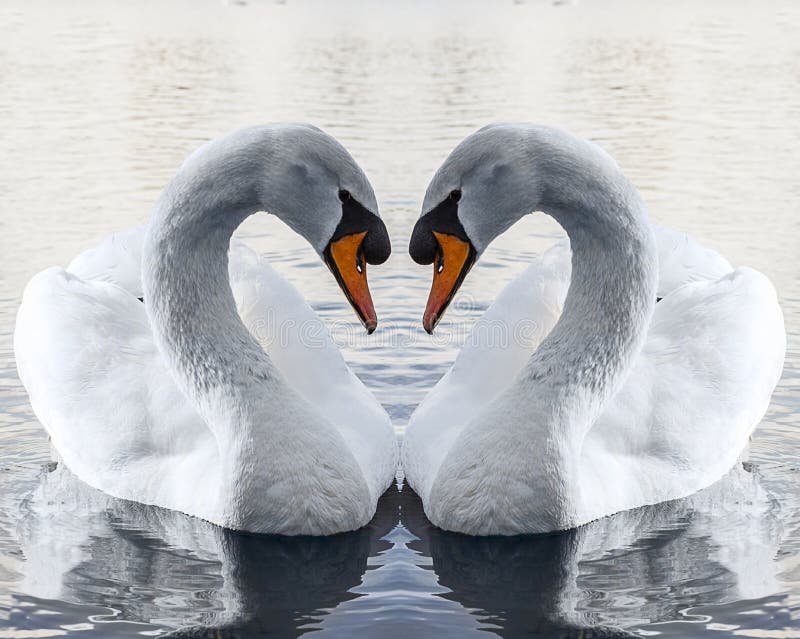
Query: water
{"points": [[699, 102]]}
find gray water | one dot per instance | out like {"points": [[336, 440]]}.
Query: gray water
{"points": [[700, 103]]}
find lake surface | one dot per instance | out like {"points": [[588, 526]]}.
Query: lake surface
{"points": [[700, 103]]}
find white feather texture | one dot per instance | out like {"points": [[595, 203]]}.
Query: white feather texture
{"points": [[232, 417], [600, 400]]}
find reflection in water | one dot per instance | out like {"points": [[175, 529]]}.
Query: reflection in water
{"points": [[166, 568], [717, 545], [226, 581]]}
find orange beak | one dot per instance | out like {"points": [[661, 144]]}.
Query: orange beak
{"points": [[345, 259], [454, 259]]}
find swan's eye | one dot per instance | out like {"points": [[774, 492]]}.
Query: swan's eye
{"points": [[344, 195], [360, 262], [455, 195], [439, 262]]}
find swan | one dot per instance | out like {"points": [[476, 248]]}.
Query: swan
{"points": [[604, 399], [172, 401]]}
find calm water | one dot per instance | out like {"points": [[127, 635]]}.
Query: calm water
{"points": [[100, 101]]}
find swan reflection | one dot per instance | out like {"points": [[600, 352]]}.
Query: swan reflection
{"points": [[602, 580], [169, 569], [637, 567]]}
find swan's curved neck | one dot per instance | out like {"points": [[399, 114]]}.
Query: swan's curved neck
{"points": [[587, 355], [213, 357]]}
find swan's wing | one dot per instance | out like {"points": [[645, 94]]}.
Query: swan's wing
{"points": [[713, 355], [117, 259], [97, 383], [300, 345], [682, 260]]}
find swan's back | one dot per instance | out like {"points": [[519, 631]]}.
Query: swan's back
{"points": [[117, 259]]}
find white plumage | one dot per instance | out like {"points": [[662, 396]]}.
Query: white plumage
{"points": [[123, 417], [617, 409]]}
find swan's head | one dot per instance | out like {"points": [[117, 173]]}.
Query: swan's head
{"points": [[484, 186], [318, 189]]}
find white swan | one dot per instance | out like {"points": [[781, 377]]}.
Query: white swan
{"points": [[173, 402], [604, 400]]}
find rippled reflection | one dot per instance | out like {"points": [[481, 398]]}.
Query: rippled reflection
{"points": [[172, 570], [148, 561]]}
